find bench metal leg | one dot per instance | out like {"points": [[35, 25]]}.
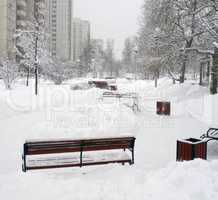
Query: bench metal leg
{"points": [[81, 157], [24, 163], [24, 158], [133, 156]]}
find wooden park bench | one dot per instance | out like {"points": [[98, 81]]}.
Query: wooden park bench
{"points": [[132, 96], [102, 84], [111, 95], [72, 153]]}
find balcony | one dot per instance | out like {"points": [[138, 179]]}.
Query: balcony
{"points": [[21, 14], [21, 24], [21, 4]]}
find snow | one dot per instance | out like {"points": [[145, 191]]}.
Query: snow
{"points": [[74, 158], [60, 113], [215, 44]]}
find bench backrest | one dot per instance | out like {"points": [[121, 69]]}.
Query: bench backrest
{"points": [[64, 146]]}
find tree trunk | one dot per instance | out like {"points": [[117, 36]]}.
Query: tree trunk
{"points": [[156, 75], [36, 65], [201, 74], [28, 75], [111, 69], [7, 84], [182, 77], [214, 73], [208, 73], [183, 71], [8, 87]]}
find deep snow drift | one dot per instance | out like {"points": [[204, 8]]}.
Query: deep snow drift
{"points": [[59, 112]]}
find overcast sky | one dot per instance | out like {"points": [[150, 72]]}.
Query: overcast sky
{"points": [[115, 19]]}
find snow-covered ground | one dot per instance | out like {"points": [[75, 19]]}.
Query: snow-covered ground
{"points": [[59, 112]]}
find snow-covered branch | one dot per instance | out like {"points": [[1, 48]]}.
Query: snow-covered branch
{"points": [[198, 51]]}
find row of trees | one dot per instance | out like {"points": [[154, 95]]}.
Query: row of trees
{"points": [[177, 36], [100, 58]]}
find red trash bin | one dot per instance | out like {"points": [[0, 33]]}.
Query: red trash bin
{"points": [[163, 108], [191, 148]]}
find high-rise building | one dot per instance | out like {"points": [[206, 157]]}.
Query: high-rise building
{"points": [[7, 26], [80, 37], [27, 11], [30, 9], [68, 35], [21, 12], [60, 28], [14, 14]]}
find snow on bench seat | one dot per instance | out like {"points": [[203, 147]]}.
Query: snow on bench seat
{"points": [[74, 158]]}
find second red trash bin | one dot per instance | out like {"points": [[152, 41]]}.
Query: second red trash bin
{"points": [[163, 108]]}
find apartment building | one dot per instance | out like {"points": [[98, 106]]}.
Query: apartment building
{"points": [[80, 37], [7, 26], [60, 28]]}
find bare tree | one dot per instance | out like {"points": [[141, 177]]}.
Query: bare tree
{"points": [[181, 30], [128, 55], [109, 57]]}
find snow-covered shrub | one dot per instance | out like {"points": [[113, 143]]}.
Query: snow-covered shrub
{"points": [[8, 71], [58, 71]]}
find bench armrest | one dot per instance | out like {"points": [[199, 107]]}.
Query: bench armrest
{"points": [[212, 133]]}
